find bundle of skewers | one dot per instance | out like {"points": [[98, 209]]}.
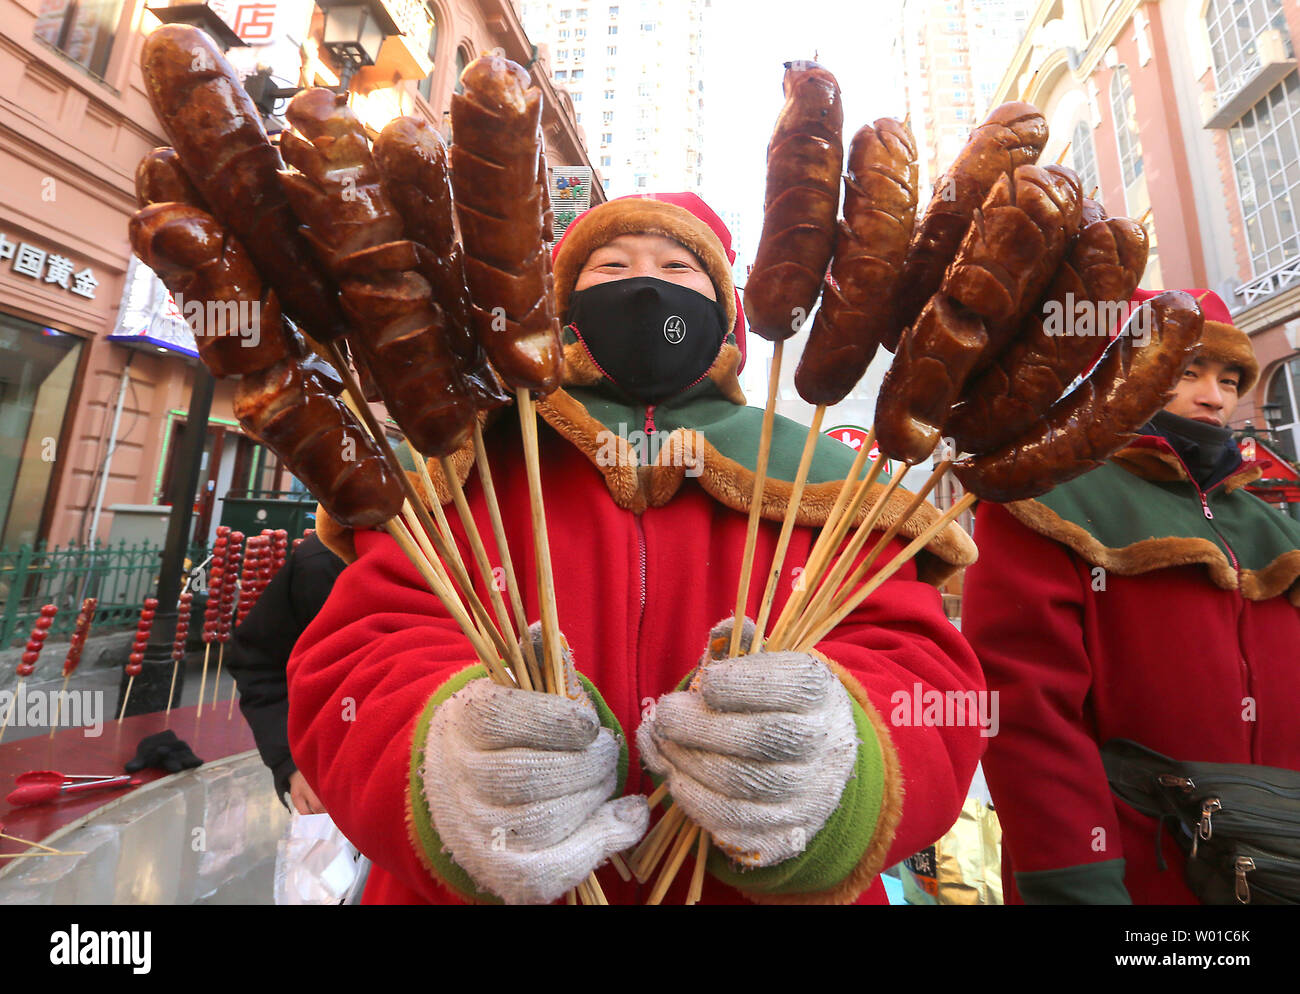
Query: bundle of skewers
{"points": [[346, 255], [966, 297]]}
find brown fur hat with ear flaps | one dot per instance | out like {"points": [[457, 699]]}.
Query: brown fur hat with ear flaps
{"points": [[683, 217]]}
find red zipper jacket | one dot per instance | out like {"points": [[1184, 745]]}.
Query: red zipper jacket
{"points": [[1128, 604], [645, 562]]}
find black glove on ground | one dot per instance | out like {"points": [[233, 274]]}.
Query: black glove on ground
{"points": [[163, 751]]}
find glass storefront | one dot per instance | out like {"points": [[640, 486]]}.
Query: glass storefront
{"points": [[38, 367]]}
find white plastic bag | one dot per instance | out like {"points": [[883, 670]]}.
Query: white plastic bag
{"points": [[315, 864]]}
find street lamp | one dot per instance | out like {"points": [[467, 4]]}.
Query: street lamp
{"points": [[201, 16], [354, 32]]}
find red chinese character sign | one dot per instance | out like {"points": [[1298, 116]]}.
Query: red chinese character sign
{"points": [[853, 437], [254, 21]]}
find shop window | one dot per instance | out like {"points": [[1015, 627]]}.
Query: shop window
{"points": [[37, 376], [80, 29]]}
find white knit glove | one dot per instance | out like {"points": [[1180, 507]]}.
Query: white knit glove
{"points": [[757, 752], [518, 785]]}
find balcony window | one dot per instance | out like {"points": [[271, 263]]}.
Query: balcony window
{"points": [[1233, 27], [1265, 147], [80, 29]]}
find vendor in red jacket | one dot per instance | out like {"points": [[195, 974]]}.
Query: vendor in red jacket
{"points": [[1152, 599], [461, 790]]}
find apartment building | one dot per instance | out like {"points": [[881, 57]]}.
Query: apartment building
{"points": [[633, 72]]}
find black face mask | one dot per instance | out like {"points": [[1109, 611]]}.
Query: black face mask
{"points": [[651, 338]]}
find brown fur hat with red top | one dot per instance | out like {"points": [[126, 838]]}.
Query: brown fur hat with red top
{"points": [[1221, 340]]}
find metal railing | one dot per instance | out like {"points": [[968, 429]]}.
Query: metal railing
{"points": [[121, 576], [1274, 281]]}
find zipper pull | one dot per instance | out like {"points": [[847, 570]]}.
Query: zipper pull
{"points": [[1169, 780], [1208, 807], [1243, 865], [1205, 506]]}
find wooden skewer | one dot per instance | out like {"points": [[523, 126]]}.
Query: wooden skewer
{"points": [[422, 537], [647, 855], [620, 867], [234, 689], [917, 500], [485, 571], [1024, 94], [58, 704], [507, 564], [832, 582], [28, 855], [1093, 195], [422, 540], [829, 624], [551, 650], [756, 500], [787, 526], [571, 896], [28, 842], [666, 876], [13, 701], [1146, 216], [657, 796], [126, 697], [696, 890], [1061, 158], [842, 515], [484, 651], [203, 679], [216, 680], [357, 402]]}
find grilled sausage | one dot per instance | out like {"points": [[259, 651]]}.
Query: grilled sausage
{"points": [[235, 320], [858, 301], [402, 336], [321, 442], [1016, 241], [218, 134], [502, 211], [1133, 381], [412, 163], [934, 358], [1103, 267], [1012, 135], [804, 159]]}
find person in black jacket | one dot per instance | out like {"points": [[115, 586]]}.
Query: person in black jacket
{"points": [[259, 653]]}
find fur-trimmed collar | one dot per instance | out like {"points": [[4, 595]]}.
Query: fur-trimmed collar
{"points": [[1088, 515], [1153, 458], [635, 486]]}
